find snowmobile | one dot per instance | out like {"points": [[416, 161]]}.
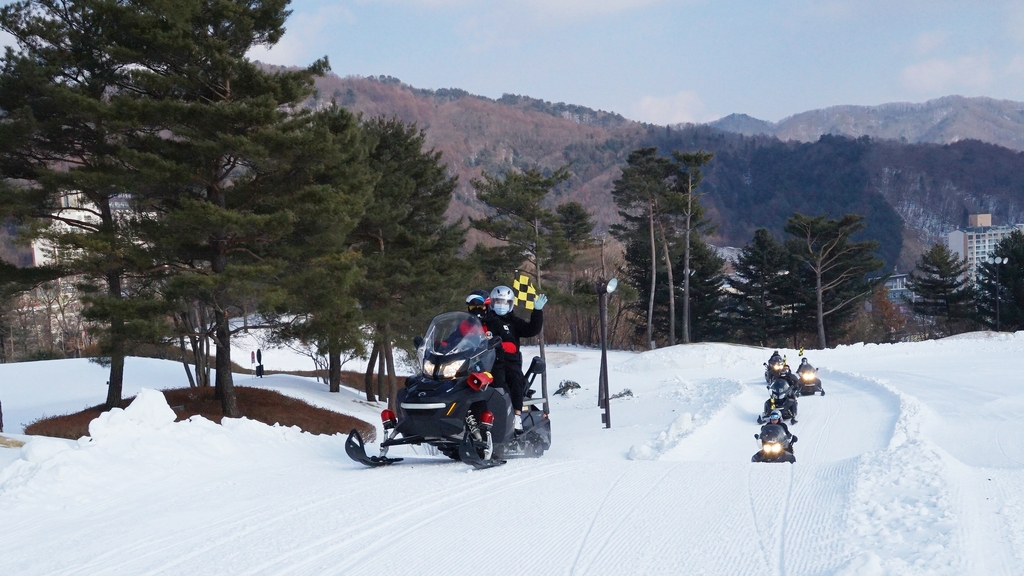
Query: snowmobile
{"points": [[451, 405], [773, 367], [782, 400], [775, 446], [809, 381]]}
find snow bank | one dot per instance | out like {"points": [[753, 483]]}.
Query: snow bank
{"points": [[704, 397]]}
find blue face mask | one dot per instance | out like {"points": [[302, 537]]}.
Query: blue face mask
{"points": [[501, 307]]}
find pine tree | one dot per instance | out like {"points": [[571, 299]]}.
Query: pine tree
{"points": [[1009, 288], [321, 272], [765, 283], [941, 289], [836, 266], [689, 163], [406, 248], [645, 182], [63, 90], [221, 133]]}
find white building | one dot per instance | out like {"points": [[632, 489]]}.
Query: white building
{"points": [[975, 242]]}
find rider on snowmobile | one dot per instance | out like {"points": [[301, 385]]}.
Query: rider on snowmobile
{"points": [[476, 303], [508, 366], [775, 419]]}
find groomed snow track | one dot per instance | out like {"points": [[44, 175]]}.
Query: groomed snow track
{"points": [[871, 493]]}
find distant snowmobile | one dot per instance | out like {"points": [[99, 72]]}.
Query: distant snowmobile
{"points": [[776, 446], [809, 381], [773, 367], [450, 404], [781, 399]]}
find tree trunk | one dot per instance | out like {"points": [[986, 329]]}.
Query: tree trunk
{"points": [[368, 381], [821, 310], [654, 277], [225, 384], [334, 368], [184, 362], [671, 289], [382, 391], [686, 260], [389, 359], [115, 384]]}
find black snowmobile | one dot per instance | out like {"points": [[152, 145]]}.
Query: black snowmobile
{"points": [[772, 368], [808, 378], [775, 445], [451, 405], [782, 400]]}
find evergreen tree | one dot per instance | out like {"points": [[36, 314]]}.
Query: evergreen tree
{"points": [[689, 163], [1010, 286], [221, 133], [836, 266], [766, 283], [707, 297], [321, 272], [530, 232], [941, 289], [639, 193], [406, 248], [63, 92]]}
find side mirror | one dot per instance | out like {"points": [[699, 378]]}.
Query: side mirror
{"points": [[417, 342], [757, 436]]}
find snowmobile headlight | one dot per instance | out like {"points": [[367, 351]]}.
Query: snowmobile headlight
{"points": [[807, 376], [776, 367], [428, 367], [450, 369], [772, 448]]}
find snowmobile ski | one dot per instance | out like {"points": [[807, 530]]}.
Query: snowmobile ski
{"points": [[356, 450], [470, 454]]}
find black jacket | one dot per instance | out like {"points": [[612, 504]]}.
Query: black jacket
{"points": [[511, 328]]}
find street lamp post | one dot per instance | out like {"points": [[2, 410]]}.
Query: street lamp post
{"points": [[998, 260], [604, 289]]}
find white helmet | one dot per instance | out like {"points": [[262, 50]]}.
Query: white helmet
{"points": [[502, 300]]}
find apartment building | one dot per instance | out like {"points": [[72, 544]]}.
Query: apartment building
{"points": [[975, 242]]}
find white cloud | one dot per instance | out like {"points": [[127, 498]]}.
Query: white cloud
{"points": [[927, 42], [306, 37], [684, 106], [939, 75]]}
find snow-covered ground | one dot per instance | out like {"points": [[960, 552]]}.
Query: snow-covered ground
{"points": [[913, 463]]}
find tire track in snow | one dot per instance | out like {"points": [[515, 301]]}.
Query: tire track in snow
{"points": [[372, 530], [593, 520]]}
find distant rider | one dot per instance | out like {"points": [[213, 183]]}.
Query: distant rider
{"points": [[508, 366]]}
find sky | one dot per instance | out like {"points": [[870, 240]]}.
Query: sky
{"points": [[669, 61]]}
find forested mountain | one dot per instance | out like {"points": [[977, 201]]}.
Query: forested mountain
{"points": [[910, 193]]}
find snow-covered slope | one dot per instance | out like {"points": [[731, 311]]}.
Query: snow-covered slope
{"points": [[913, 463]]}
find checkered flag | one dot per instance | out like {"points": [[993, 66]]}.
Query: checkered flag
{"points": [[526, 292]]}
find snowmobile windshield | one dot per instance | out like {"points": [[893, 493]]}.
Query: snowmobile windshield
{"points": [[773, 433], [779, 389], [455, 345]]}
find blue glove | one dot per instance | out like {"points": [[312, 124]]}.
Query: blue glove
{"points": [[539, 303]]}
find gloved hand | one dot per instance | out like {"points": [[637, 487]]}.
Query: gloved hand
{"points": [[794, 440], [509, 347], [539, 303]]}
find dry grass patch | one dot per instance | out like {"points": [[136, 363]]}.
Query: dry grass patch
{"points": [[10, 442], [265, 406]]}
